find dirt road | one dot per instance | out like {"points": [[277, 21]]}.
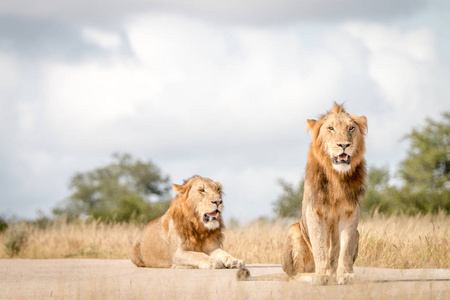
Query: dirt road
{"points": [[120, 279]]}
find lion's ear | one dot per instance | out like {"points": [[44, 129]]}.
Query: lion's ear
{"points": [[180, 189], [176, 187], [310, 124], [219, 185], [361, 121]]}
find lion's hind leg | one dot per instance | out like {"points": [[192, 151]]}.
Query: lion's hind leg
{"points": [[355, 255], [296, 256], [136, 257], [296, 260]]}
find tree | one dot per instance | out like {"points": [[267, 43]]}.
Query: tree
{"points": [[125, 190], [426, 170], [289, 204], [378, 195]]}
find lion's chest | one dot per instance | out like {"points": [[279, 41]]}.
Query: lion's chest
{"points": [[335, 196]]}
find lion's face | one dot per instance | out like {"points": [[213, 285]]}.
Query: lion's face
{"points": [[205, 196], [341, 137]]}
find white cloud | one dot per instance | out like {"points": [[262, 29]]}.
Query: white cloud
{"points": [[9, 73], [82, 101], [398, 61], [102, 38], [416, 44], [228, 102], [9, 83], [235, 99], [403, 64]]}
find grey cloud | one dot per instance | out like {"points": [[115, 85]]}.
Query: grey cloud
{"points": [[37, 39], [281, 12], [232, 11], [54, 28]]}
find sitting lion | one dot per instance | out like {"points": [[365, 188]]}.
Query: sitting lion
{"points": [[324, 243], [189, 234]]}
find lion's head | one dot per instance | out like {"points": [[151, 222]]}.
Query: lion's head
{"points": [[338, 139], [203, 198]]}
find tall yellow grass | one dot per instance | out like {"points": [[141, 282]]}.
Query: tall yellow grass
{"points": [[391, 242], [89, 239], [405, 242]]}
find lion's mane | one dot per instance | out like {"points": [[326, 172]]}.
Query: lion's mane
{"points": [[188, 224], [331, 186]]}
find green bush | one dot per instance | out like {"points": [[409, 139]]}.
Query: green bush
{"points": [[3, 224]]}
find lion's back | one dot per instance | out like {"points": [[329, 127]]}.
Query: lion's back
{"points": [[154, 249]]}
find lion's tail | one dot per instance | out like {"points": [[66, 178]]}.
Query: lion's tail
{"points": [[244, 275], [135, 255]]}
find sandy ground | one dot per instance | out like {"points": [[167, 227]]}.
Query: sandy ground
{"points": [[120, 279]]}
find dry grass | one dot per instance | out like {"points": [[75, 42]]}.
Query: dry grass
{"points": [[258, 242], [73, 240], [405, 242], [386, 242], [391, 242]]}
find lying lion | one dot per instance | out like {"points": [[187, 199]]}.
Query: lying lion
{"points": [[189, 234]]}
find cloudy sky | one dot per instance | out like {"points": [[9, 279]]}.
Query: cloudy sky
{"points": [[216, 88]]}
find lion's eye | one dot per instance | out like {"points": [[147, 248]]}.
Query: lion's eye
{"points": [[201, 190], [219, 190], [351, 129], [330, 128]]}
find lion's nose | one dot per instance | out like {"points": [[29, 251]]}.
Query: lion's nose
{"points": [[343, 146], [217, 202]]}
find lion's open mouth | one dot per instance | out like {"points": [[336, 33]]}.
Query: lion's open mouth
{"points": [[343, 158], [211, 216]]}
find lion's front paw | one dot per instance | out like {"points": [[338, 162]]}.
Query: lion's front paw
{"points": [[240, 264], [216, 264], [321, 279], [233, 263], [236, 264], [211, 264], [345, 278]]}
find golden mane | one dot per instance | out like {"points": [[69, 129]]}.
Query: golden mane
{"points": [[187, 223], [319, 169]]}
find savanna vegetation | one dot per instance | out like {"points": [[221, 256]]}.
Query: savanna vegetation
{"points": [[392, 242], [403, 226]]}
